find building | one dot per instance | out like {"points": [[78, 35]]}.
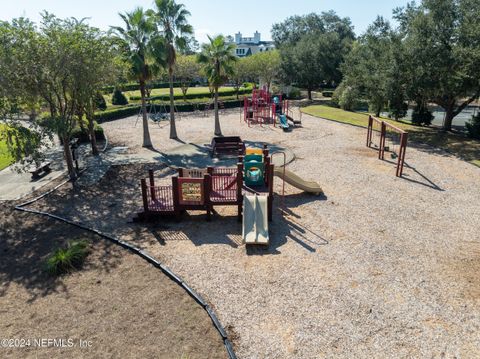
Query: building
{"points": [[246, 46]]}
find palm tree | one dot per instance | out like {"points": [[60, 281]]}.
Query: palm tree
{"points": [[218, 59], [173, 26], [142, 47]]}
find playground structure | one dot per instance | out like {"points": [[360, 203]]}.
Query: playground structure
{"points": [[379, 132], [264, 108], [249, 186]]}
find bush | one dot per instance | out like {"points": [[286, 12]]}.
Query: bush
{"points": [[346, 97], [421, 116], [82, 133], [118, 98], [473, 127], [192, 96], [327, 93], [131, 110], [64, 260], [136, 86], [100, 103]]}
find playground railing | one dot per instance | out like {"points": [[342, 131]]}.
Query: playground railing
{"points": [[157, 198]]}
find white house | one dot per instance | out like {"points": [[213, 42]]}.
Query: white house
{"points": [[246, 46]]}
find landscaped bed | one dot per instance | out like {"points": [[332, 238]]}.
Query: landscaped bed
{"points": [[117, 304]]}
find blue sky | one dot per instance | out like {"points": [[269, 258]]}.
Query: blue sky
{"points": [[209, 16]]}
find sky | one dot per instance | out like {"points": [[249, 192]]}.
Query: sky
{"points": [[210, 17]]}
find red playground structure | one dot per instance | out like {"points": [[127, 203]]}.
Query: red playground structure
{"points": [[264, 108], [203, 189]]}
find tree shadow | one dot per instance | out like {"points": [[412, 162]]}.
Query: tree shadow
{"points": [[29, 239]]}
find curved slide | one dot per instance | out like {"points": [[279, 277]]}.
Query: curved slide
{"points": [[296, 181], [255, 220]]}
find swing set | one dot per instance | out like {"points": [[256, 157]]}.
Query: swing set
{"points": [[384, 136]]}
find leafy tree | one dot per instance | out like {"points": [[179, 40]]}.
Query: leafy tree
{"points": [[218, 61], [241, 73], [441, 38], [187, 69], [143, 50], [313, 61], [172, 23], [18, 91], [312, 47], [266, 65], [295, 27], [368, 65], [95, 68]]}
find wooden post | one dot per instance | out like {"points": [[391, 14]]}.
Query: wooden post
{"points": [[152, 184], [176, 204], [144, 195], [369, 130], [383, 133], [401, 155], [207, 188], [270, 191], [239, 190]]}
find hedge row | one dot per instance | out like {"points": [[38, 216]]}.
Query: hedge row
{"points": [[131, 110], [136, 87], [191, 96]]}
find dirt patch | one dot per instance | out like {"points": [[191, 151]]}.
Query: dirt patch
{"points": [[119, 303]]}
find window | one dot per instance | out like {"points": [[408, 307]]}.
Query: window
{"points": [[240, 51]]}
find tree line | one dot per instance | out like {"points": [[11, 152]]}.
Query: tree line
{"points": [[61, 65]]}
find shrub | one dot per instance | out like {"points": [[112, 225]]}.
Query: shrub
{"points": [[118, 98], [115, 114], [346, 97], [421, 116], [192, 96], [136, 87], [473, 127], [64, 260], [295, 93], [82, 132], [100, 103]]}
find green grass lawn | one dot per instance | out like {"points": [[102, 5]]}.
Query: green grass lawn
{"points": [[5, 158], [459, 145], [178, 91]]}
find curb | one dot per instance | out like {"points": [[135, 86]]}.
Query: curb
{"points": [[143, 254]]}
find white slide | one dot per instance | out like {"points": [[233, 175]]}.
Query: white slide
{"points": [[255, 220], [296, 181]]}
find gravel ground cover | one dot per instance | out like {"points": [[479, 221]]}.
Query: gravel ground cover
{"points": [[377, 267]]}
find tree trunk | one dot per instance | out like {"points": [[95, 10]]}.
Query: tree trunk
{"points": [[449, 115], [309, 94], [147, 142], [218, 131], [93, 138], [72, 173], [173, 129]]}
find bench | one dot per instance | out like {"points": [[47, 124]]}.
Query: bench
{"points": [[36, 170], [226, 145]]}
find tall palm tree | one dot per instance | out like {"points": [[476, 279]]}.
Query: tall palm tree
{"points": [[142, 46], [218, 60], [173, 26]]}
